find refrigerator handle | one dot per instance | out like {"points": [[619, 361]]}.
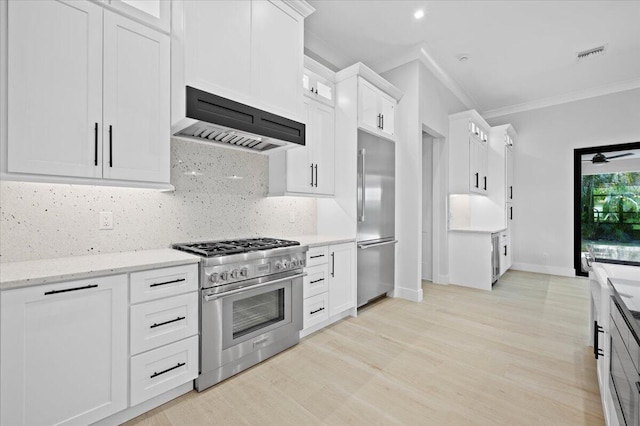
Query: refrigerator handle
{"points": [[362, 186]]}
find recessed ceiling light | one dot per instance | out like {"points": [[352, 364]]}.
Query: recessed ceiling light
{"points": [[418, 14]]}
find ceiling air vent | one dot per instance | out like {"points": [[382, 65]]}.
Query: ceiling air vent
{"points": [[591, 53]]}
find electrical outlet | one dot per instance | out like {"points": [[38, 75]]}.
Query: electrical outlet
{"points": [[106, 220], [292, 217]]}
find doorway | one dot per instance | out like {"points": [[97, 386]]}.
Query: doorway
{"points": [[606, 201], [427, 207]]}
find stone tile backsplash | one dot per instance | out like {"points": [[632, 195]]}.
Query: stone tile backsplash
{"points": [[40, 221]]}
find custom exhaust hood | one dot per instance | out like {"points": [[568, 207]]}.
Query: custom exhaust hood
{"points": [[213, 119]]}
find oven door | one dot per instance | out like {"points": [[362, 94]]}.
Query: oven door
{"points": [[240, 322]]}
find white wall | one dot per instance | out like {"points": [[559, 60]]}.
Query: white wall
{"points": [[543, 166], [47, 221]]}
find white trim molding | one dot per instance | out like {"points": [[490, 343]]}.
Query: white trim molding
{"points": [[300, 6], [372, 77], [564, 98], [408, 294], [544, 269]]}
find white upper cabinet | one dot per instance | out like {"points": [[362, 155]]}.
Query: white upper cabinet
{"points": [[509, 166], [156, 13], [307, 170], [55, 88], [376, 110], [469, 154], [247, 51], [318, 87], [136, 99], [88, 96]]}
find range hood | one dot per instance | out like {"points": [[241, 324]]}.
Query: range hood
{"points": [[213, 119]]}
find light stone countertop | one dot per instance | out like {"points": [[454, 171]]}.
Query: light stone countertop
{"points": [[321, 240], [36, 272], [479, 230]]}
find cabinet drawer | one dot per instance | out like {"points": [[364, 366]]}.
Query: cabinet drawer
{"points": [[163, 282], [317, 256], [164, 321], [316, 281], [162, 369], [315, 309]]}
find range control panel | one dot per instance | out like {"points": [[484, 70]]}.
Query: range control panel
{"points": [[234, 272]]}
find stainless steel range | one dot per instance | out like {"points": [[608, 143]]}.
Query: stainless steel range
{"points": [[250, 303]]}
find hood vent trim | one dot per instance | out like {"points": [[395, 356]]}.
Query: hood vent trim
{"points": [[229, 123]]}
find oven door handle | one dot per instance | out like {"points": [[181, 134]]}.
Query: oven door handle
{"points": [[211, 297]]}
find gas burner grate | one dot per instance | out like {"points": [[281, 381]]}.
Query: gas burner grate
{"points": [[228, 247]]}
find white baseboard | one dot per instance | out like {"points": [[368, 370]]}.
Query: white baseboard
{"points": [[408, 294], [441, 279], [544, 269]]}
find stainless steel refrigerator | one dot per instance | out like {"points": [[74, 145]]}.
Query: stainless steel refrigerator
{"points": [[376, 216]]}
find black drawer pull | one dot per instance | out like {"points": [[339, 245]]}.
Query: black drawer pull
{"points": [[317, 255], [505, 250], [317, 281], [477, 181], [316, 311], [485, 183], [178, 365], [70, 289], [110, 146], [168, 282], [166, 322], [95, 136]]}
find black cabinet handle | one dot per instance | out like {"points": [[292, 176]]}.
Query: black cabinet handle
{"points": [[316, 168], [379, 121], [333, 264], [597, 330], [316, 256], [477, 180], [316, 311], [510, 213], [47, 293], [511, 192], [110, 145], [316, 281], [95, 142], [166, 322], [485, 183], [505, 250], [168, 282], [178, 365], [382, 121], [311, 174]]}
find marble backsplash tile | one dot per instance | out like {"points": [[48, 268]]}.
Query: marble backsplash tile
{"points": [[55, 220]]}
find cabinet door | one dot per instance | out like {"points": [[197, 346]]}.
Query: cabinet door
{"points": [[217, 53], [509, 168], [300, 171], [368, 114], [153, 12], [342, 281], [387, 109], [136, 101], [475, 177], [55, 87], [276, 57], [483, 161], [64, 352], [323, 148]]}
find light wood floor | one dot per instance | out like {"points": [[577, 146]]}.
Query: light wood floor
{"points": [[515, 356]]}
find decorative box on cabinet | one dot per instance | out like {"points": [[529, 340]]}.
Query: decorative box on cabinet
{"points": [[110, 73], [330, 286], [376, 110], [468, 142], [261, 44], [64, 352], [318, 82]]}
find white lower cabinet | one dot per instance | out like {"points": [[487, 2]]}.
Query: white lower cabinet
{"points": [[63, 356], [330, 286], [64, 352]]}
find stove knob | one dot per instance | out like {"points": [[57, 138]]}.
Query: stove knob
{"points": [[213, 277], [279, 265], [224, 276], [294, 263], [285, 264], [235, 273], [301, 261], [244, 272]]}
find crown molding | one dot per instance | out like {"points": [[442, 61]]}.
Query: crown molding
{"points": [[372, 77], [564, 98], [316, 67], [421, 53], [300, 6]]}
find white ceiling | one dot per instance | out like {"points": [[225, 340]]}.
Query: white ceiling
{"points": [[521, 53]]}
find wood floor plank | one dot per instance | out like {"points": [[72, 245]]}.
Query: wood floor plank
{"points": [[515, 355]]}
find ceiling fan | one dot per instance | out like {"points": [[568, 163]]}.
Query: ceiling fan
{"points": [[600, 158]]}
